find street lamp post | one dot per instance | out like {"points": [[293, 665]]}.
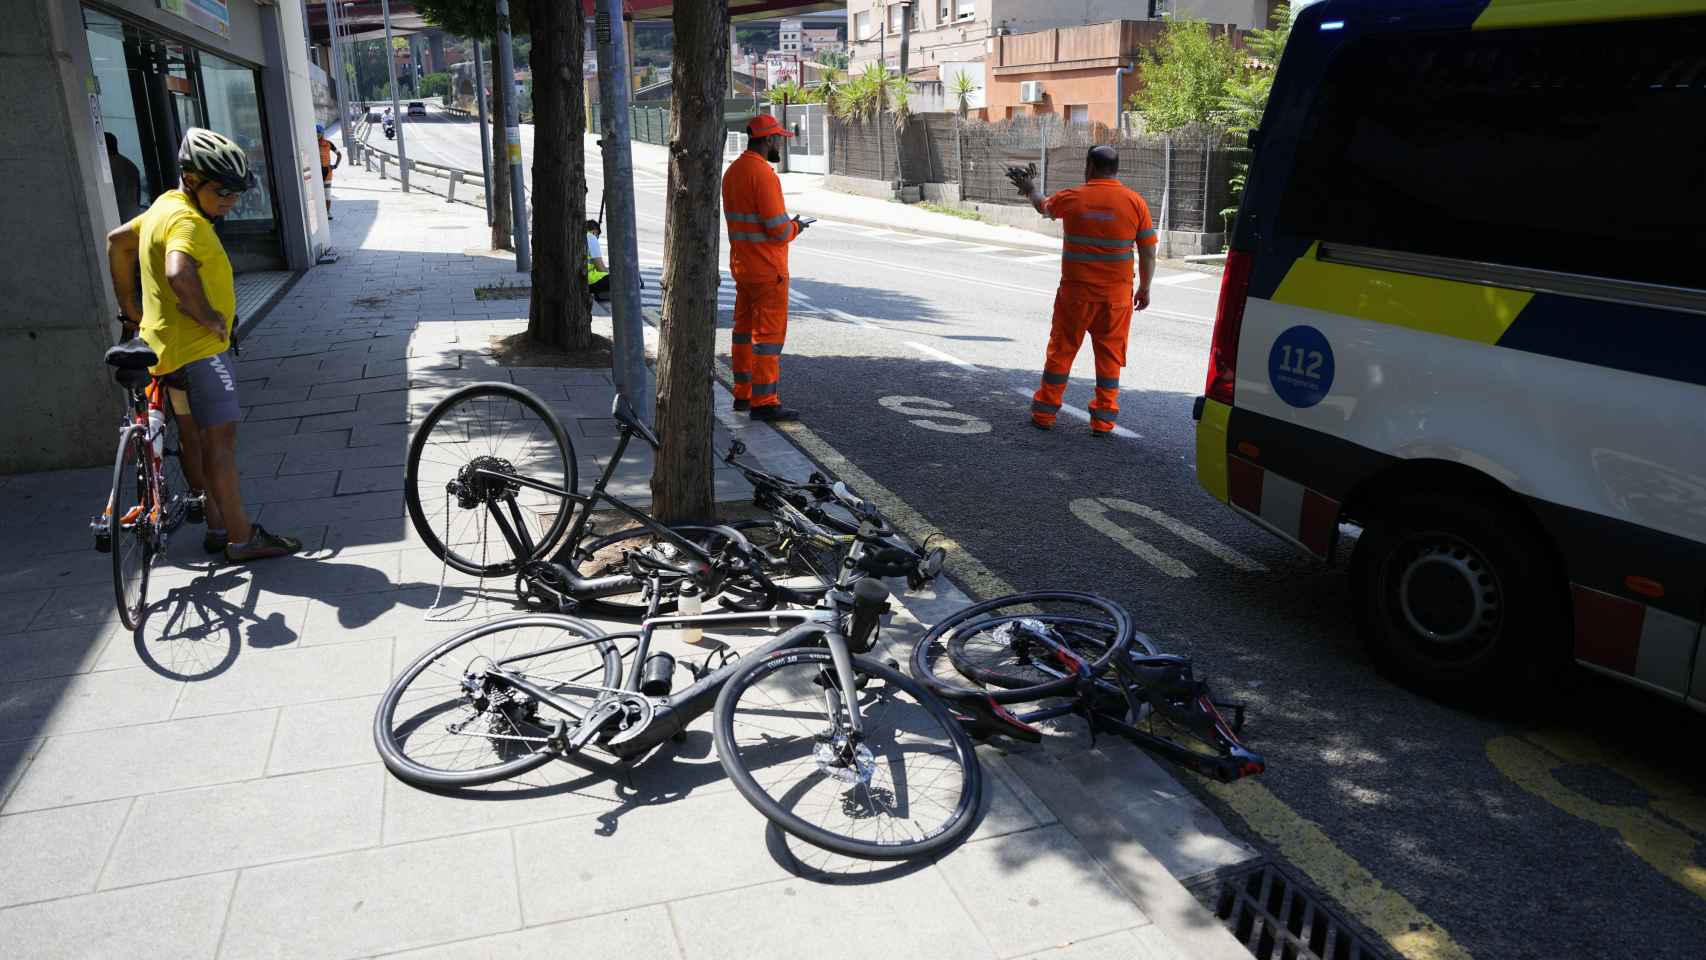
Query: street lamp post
{"points": [[396, 107], [485, 135], [505, 67], [334, 45]]}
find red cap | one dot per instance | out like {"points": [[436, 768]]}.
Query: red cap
{"points": [[765, 125]]}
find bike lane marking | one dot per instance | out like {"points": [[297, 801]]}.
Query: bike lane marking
{"points": [[1388, 913], [929, 414], [1095, 512], [1664, 834]]}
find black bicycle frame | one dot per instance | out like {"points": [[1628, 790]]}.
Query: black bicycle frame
{"points": [[671, 713], [521, 542]]}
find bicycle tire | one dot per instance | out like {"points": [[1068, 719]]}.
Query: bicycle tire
{"points": [[920, 842], [136, 544], [933, 652], [405, 761], [1076, 634], [439, 506]]}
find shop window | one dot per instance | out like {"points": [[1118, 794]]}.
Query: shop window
{"points": [[234, 109]]}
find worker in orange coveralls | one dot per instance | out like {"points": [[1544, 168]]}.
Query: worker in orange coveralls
{"points": [[759, 234], [1107, 230]]}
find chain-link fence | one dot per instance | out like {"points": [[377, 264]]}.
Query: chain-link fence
{"points": [[1184, 175]]}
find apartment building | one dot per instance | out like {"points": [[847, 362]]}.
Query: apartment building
{"points": [[951, 31]]}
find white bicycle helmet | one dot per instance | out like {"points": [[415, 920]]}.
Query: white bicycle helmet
{"points": [[216, 157]]}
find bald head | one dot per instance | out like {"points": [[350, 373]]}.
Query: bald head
{"points": [[1103, 161]]}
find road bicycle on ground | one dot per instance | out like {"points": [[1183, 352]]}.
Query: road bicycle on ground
{"points": [[150, 498], [838, 749], [1077, 654], [491, 487]]}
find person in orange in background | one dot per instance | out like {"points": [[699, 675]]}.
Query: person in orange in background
{"points": [[759, 234], [326, 164], [1107, 228]]}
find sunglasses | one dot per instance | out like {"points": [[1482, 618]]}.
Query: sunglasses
{"points": [[223, 193]]}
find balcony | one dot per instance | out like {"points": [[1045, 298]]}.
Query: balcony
{"points": [[1075, 48]]}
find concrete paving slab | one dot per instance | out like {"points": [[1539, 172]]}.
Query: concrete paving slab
{"points": [[1144, 943], [351, 904], [271, 678], [592, 865], [56, 853], [301, 408], [319, 736], [180, 919], [86, 701], [359, 385], [643, 934], [556, 791], [370, 480], [1028, 891], [308, 486], [246, 824], [52, 653], [18, 609], [906, 916], [332, 510], [128, 761]]}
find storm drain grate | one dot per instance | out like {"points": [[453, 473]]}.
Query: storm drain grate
{"points": [[1276, 918]]}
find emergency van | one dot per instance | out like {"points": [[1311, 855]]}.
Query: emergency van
{"points": [[1464, 309]]}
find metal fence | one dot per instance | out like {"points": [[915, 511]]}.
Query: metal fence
{"points": [[1184, 175]]}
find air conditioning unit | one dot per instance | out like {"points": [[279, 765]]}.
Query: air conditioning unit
{"points": [[1031, 91]]}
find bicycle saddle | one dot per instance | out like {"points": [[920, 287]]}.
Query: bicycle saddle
{"points": [[623, 412], [133, 354]]}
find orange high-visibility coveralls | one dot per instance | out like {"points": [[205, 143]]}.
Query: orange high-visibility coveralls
{"points": [[759, 234], [1103, 222]]}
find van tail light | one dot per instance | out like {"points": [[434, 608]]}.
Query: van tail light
{"points": [[1228, 321]]}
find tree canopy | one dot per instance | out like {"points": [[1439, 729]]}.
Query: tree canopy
{"points": [[473, 18], [1185, 76]]}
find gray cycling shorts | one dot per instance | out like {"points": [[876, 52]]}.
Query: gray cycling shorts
{"points": [[206, 389]]}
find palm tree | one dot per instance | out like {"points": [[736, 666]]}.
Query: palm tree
{"points": [[961, 89]]}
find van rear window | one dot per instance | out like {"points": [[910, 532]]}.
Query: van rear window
{"points": [[1578, 149]]}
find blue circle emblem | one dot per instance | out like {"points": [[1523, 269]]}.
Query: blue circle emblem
{"points": [[1300, 366]]}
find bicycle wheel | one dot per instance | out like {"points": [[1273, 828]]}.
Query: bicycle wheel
{"points": [[132, 525], [451, 720], [998, 644], [908, 787], [500, 429]]}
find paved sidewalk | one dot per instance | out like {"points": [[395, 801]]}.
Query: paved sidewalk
{"points": [[208, 786]]}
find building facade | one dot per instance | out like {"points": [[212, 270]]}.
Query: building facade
{"points": [[789, 37], [951, 31], [143, 73]]}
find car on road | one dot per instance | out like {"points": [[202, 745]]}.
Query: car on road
{"points": [[373, 115], [1427, 329], [416, 108]]}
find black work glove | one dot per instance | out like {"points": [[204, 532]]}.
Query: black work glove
{"points": [[1024, 178]]}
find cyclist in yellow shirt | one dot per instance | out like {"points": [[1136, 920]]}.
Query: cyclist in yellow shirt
{"points": [[187, 305]]}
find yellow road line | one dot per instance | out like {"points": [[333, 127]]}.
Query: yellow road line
{"points": [[1666, 847], [1306, 846], [1385, 911]]}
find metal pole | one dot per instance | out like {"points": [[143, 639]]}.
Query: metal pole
{"points": [[505, 68], [1166, 187], [333, 42], [396, 108], [355, 60], [628, 361], [485, 135], [905, 35]]}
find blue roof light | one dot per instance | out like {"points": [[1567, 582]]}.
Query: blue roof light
{"points": [[1333, 25]]}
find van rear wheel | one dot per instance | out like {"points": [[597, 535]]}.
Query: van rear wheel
{"points": [[1457, 596]]}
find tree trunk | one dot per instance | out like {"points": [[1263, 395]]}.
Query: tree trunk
{"points": [[561, 313], [502, 221], [681, 478]]}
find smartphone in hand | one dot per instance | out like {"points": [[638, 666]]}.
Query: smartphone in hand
{"points": [[805, 221]]}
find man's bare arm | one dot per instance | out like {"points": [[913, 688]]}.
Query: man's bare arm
{"points": [[122, 259], [184, 275], [1145, 273]]}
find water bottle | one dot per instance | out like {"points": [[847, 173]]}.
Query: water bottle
{"points": [[688, 603], [157, 430]]}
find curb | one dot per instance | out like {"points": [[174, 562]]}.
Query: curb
{"points": [[1048, 245]]}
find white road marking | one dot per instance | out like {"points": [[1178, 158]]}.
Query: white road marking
{"points": [[850, 318], [938, 410], [946, 358], [1186, 532], [913, 241], [1178, 278], [1095, 514], [984, 248], [1037, 258], [1078, 414]]}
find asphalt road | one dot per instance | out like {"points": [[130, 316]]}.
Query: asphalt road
{"points": [[1573, 831]]}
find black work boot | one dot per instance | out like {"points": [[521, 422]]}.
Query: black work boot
{"points": [[775, 412]]}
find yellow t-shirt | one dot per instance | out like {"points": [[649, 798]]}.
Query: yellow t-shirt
{"points": [[173, 223]]}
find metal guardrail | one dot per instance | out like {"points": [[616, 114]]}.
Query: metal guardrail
{"points": [[453, 176]]}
